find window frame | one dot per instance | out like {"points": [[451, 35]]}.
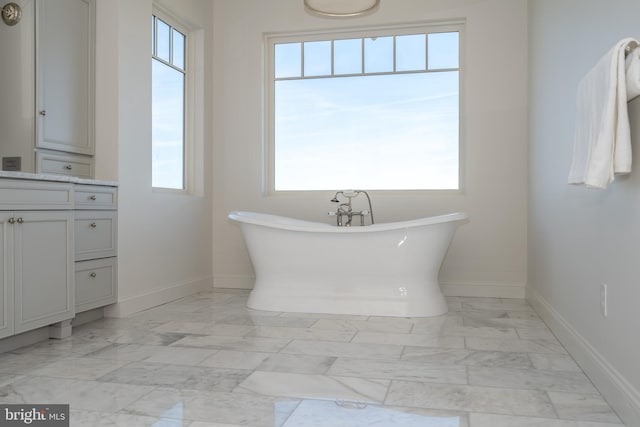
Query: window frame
{"points": [[188, 110], [271, 39]]}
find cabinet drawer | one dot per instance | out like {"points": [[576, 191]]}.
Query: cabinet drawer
{"points": [[32, 195], [65, 164], [95, 234], [95, 197], [95, 283]]}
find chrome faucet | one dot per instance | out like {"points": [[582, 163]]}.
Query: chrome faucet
{"points": [[345, 209]]}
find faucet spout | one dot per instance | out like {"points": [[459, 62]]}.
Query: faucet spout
{"points": [[346, 209]]}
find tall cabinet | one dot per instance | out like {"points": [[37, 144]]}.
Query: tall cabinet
{"points": [[65, 73]]}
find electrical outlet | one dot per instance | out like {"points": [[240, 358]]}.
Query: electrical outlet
{"points": [[603, 299]]}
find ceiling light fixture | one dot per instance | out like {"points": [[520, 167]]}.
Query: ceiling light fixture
{"points": [[341, 8]]}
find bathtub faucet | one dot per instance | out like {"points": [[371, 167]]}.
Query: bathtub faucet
{"points": [[345, 209]]}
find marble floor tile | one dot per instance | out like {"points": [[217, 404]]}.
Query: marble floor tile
{"points": [[507, 305], [372, 325], [297, 363], [583, 407], [515, 345], [409, 339], [106, 419], [314, 386], [72, 346], [433, 325], [117, 323], [479, 331], [235, 359], [79, 394], [523, 315], [138, 336], [399, 370], [470, 319], [339, 349], [467, 357], [126, 352], [575, 382], [180, 355], [313, 413], [78, 368], [470, 398], [301, 333], [462, 417], [204, 328], [493, 420], [325, 316], [206, 406], [245, 319], [24, 363], [184, 377], [6, 379], [205, 424], [268, 345], [554, 362], [534, 333]]}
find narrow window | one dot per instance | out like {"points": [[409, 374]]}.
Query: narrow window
{"points": [[168, 105]]}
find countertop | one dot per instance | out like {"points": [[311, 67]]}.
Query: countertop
{"points": [[56, 178]]}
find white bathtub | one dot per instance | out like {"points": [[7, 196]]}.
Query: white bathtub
{"points": [[382, 269]]}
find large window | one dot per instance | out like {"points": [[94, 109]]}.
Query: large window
{"points": [[377, 111], [168, 58]]}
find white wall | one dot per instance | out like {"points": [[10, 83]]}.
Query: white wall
{"points": [[488, 255], [580, 238], [164, 240]]}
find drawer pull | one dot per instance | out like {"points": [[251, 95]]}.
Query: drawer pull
{"points": [[68, 167], [93, 274], [20, 220], [11, 221], [93, 197], [93, 225]]}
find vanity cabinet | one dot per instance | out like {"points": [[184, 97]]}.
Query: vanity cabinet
{"points": [[37, 257], [58, 244], [65, 45], [95, 246]]}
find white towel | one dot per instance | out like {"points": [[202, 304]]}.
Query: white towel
{"points": [[602, 139], [632, 66]]}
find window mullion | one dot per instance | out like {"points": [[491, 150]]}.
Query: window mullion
{"points": [[394, 54], [302, 60], [362, 56], [332, 59], [171, 45]]}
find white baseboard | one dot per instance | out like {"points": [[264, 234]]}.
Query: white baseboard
{"points": [[139, 303], [483, 289], [623, 397], [450, 289], [223, 281]]}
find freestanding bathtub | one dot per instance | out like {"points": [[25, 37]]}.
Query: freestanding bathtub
{"points": [[386, 269]]}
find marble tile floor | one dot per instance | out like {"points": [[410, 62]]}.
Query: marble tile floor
{"points": [[206, 361]]}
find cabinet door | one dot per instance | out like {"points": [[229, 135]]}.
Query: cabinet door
{"points": [[6, 279], [43, 268], [65, 70]]}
